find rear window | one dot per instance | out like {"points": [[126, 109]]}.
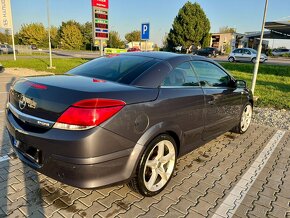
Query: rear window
{"points": [[123, 69]]}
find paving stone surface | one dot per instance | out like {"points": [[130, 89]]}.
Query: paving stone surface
{"points": [[202, 182]]}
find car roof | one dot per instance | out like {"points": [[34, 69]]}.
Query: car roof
{"points": [[166, 56], [152, 77], [155, 55]]}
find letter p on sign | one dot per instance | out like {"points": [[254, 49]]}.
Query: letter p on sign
{"points": [[145, 30]]}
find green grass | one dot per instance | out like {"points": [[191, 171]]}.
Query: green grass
{"points": [[61, 65], [273, 82], [263, 68]]}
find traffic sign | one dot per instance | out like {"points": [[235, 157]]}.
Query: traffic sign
{"points": [[145, 31]]}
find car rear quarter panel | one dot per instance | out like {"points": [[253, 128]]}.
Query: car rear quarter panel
{"points": [[179, 111]]}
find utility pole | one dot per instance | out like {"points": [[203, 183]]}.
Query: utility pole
{"points": [[255, 73], [49, 40]]}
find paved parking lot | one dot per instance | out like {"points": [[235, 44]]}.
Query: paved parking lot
{"points": [[232, 176]]}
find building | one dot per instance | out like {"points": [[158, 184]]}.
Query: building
{"points": [[143, 45], [253, 40], [226, 42]]}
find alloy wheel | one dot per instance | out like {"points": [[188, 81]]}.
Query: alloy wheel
{"points": [[159, 165], [246, 118]]}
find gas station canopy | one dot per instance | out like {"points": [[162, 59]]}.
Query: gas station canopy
{"points": [[279, 27], [277, 30]]}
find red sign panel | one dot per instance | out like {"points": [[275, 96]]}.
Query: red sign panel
{"points": [[102, 35], [101, 3]]}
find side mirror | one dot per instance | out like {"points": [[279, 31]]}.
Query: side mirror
{"points": [[241, 84]]}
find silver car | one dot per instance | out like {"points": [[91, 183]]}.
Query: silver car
{"points": [[280, 51], [7, 49], [245, 55]]}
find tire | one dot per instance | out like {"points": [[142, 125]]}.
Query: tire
{"points": [[253, 60], [231, 59], [245, 119], [148, 180]]}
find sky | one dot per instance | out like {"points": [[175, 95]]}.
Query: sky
{"points": [[127, 15]]}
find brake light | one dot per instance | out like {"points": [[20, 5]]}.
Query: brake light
{"points": [[88, 113]]}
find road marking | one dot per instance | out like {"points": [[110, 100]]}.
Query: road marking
{"points": [[240, 190], [1, 111], [4, 158], [3, 92]]}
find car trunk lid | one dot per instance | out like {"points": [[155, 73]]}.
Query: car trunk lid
{"points": [[48, 97]]}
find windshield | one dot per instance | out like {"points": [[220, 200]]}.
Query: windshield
{"points": [[123, 69]]}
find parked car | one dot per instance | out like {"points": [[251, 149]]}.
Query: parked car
{"points": [[208, 52], [245, 55], [33, 47], [7, 49], [124, 118], [280, 51], [134, 49]]}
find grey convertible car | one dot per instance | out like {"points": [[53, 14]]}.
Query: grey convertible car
{"points": [[124, 118]]}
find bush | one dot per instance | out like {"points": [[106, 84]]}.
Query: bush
{"points": [[286, 55]]}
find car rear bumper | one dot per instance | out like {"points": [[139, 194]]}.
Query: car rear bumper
{"points": [[50, 153]]}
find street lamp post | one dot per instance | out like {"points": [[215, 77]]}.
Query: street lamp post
{"points": [[49, 40], [259, 49]]}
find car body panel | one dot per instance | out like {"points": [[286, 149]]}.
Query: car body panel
{"points": [[223, 107]]}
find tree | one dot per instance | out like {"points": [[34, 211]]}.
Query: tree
{"points": [[5, 37], [190, 27], [134, 36], [115, 41], [70, 22], [86, 30], [33, 33], [226, 29], [71, 36], [54, 37]]}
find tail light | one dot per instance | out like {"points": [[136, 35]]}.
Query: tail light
{"points": [[88, 113]]}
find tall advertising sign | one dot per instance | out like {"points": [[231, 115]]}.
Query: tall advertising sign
{"points": [[100, 19], [5, 14], [6, 20]]}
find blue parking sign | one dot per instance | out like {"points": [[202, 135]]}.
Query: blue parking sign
{"points": [[145, 30]]}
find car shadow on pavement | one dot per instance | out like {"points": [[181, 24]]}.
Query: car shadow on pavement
{"points": [[20, 186]]}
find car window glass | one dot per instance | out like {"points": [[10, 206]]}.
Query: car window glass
{"points": [[247, 52], [210, 75], [238, 51], [182, 75], [253, 51], [111, 68]]}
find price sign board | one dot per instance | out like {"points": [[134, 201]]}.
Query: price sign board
{"points": [[100, 19]]}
